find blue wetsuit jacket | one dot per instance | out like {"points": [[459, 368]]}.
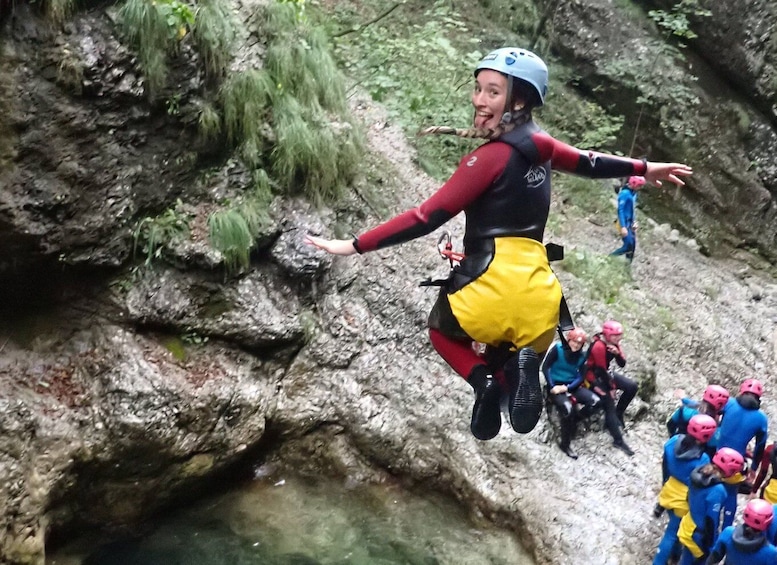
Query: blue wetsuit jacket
{"points": [[679, 461], [706, 496], [678, 422], [741, 423], [627, 202], [771, 533], [739, 550], [563, 367]]}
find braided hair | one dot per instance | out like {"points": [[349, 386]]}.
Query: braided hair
{"points": [[522, 99]]}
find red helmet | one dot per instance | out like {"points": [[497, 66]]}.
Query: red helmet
{"points": [[758, 514], [636, 182], [577, 335], [730, 461], [716, 396], [702, 427], [752, 385], [611, 328]]}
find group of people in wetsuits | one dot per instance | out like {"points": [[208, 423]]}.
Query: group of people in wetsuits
{"points": [[580, 382], [706, 465]]}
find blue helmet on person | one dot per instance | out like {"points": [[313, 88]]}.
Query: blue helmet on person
{"points": [[520, 64]]}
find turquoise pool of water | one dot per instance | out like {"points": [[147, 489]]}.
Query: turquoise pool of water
{"points": [[299, 521]]}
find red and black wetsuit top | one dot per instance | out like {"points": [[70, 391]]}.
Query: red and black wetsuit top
{"points": [[598, 363], [504, 189]]}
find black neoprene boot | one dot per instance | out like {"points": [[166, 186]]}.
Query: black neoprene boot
{"points": [[567, 427], [620, 444], [523, 375], [486, 416], [621, 420], [567, 449]]}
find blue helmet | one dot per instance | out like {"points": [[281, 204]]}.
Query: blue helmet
{"points": [[521, 64]]}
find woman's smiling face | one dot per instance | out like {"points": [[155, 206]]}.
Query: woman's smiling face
{"points": [[489, 98]]}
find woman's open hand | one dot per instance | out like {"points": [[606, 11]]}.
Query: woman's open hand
{"points": [[657, 172], [333, 246]]}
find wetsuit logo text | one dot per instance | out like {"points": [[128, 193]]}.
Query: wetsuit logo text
{"points": [[535, 176]]}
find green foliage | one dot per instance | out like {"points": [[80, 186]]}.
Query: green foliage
{"points": [[246, 98], [214, 34], [152, 234], [233, 231], [519, 16], [307, 320], [648, 387], [676, 22], [156, 27], [176, 347], [667, 96], [298, 6], [310, 154], [173, 105], [656, 325], [422, 72], [604, 275], [229, 233], [209, 122], [193, 338], [297, 105], [590, 125], [304, 67]]}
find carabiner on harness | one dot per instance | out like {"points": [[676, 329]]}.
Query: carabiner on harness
{"points": [[445, 248]]}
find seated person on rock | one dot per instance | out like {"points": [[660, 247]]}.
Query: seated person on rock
{"points": [[604, 349], [562, 368]]}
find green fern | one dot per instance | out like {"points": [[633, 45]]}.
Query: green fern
{"points": [[230, 233], [214, 34], [246, 98], [153, 233], [146, 28], [301, 63], [209, 122]]}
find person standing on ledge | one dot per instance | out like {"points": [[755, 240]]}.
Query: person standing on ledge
{"points": [[627, 206], [503, 293]]}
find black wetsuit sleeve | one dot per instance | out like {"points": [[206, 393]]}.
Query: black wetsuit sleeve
{"points": [[574, 385], [671, 424], [620, 359], [717, 554], [760, 445], [564, 157], [708, 533], [664, 469]]}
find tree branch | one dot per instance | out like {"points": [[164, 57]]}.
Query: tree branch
{"points": [[369, 23]]}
